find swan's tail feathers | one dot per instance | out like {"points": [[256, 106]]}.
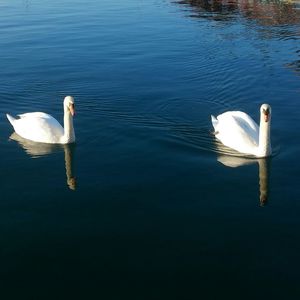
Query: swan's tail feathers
{"points": [[214, 122], [10, 119]]}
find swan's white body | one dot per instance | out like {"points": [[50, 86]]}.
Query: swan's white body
{"points": [[238, 131], [43, 128]]}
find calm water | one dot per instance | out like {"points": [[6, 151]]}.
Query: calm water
{"points": [[145, 206]]}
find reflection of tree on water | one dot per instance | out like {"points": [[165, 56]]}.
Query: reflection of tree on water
{"points": [[264, 172], [212, 5], [40, 149], [273, 12]]}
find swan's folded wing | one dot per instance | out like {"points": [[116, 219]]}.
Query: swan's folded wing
{"points": [[237, 131], [35, 115], [39, 127], [246, 121], [214, 122]]}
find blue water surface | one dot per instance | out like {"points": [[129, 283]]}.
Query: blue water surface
{"points": [[145, 205]]}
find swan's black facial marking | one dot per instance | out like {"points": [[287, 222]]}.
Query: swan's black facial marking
{"points": [[266, 113]]}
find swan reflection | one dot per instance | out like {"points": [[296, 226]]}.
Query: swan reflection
{"points": [[40, 149], [264, 172]]}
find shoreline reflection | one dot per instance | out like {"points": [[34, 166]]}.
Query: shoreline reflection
{"points": [[36, 150], [273, 12]]}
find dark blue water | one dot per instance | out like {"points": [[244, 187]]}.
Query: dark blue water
{"points": [[144, 205]]}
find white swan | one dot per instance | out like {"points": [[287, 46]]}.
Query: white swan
{"points": [[43, 128], [238, 131]]}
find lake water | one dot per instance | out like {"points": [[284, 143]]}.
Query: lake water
{"points": [[144, 205]]}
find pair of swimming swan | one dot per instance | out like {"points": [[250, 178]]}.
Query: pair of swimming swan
{"points": [[235, 129]]}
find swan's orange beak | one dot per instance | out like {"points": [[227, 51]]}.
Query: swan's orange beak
{"points": [[266, 115], [72, 109]]}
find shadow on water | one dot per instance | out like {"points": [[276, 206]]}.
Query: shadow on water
{"points": [[36, 150]]}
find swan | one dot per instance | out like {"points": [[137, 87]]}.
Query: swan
{"points": [[43, 128], [237, 130]]}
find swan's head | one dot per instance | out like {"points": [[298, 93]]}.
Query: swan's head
{"points": [[69, 104], [72, 183], [265, 111]]}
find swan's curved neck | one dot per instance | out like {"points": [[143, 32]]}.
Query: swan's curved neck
{"points": [[264, 147], [69, 134]]}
